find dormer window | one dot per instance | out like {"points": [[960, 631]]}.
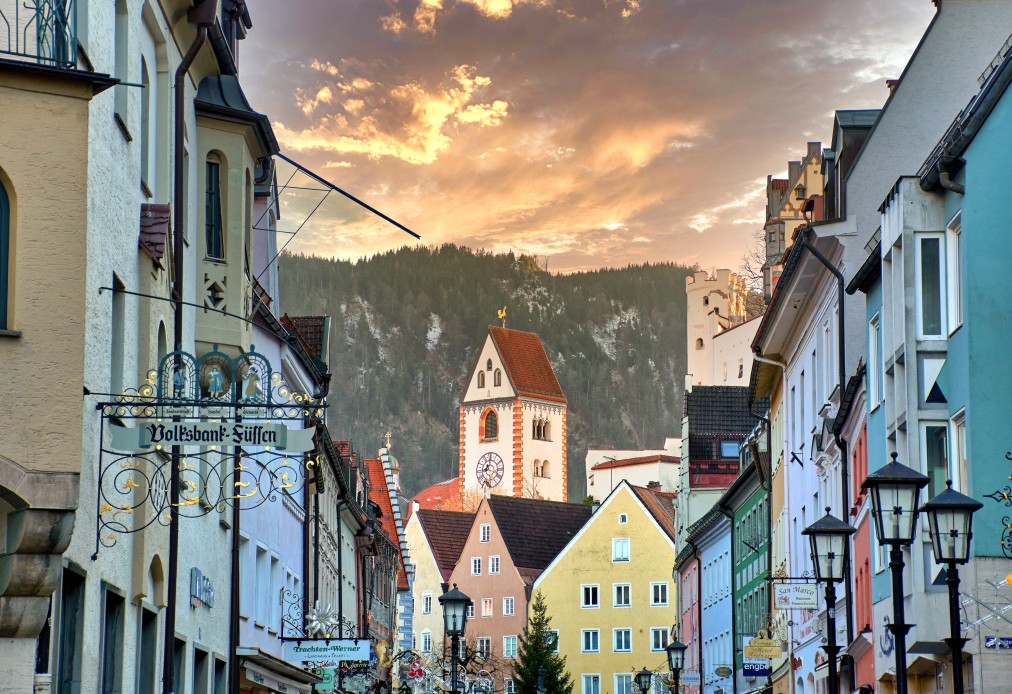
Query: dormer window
{"points": [[497, 378], [800, 192], [481, 379]]}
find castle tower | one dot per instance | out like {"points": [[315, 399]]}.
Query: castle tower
{"points": [[714, 304], [513, 420]]}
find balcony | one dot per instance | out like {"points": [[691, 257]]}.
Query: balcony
{"points": [[39, 31]]}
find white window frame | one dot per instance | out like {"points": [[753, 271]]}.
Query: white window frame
{"points": [[507, 652], [875, 361], [653, 586], [954, 273], [653, 638], [476, 566], [614, 639], [555, 632], [508, 607], [584, 633], [509, 685], [583, 596], [470, 611], [616, 555], [485, 532], [595, 680], [627, 678], [919, 286], [486, 607], [482, 646], [615, 589], [623, 518], [427, 602], [923, 432], [958, 472], [426, 641], [493, 564]]}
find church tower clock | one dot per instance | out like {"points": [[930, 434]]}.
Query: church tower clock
{"points": [[513, 420]]}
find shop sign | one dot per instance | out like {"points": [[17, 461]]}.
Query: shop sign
{"points": [[998, 642], [162, 435], [722, 671], [201, 589], [322, 653], [329, 676], [755, 669], [763, 648], [795, 596], [690, 679]]}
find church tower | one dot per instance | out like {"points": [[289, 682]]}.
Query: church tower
{"points": [[513, 420]]}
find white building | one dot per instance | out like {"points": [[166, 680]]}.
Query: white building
{"points": [[718, 336], [606, 468]]}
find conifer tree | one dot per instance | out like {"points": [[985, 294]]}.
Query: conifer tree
{"points": [[536, 656]]}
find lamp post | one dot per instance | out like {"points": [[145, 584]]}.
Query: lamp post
{"points": [[541, 680], [950, 517], [676, 659], [894, 491], [455, 606], [643, 680], [829, 537]]}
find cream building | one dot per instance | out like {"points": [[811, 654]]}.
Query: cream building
{"points": [[718, 349]]}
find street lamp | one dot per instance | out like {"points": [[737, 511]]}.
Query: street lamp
{"points": [[676, 659], [455, 606], [643, 680], [950, 517], [829, 539], [541, 680], [894, 490]]}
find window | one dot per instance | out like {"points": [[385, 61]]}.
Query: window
{"points": [[729, 449], [145, 143], [590, 684], [71, 631], [220, 676], [930, 286], [620, 549], [427, 602], [179, 660], [470, 612], [699, 343], [148, 652], [800, 193], [274, 593], [493, 564], [112, 643], [623, 595], [201, 671], [591, 639], [553, 636], [509, 646], [509, 686], [214, 240], [936, 451], [476, 566], [263, 582], [957, 468], [485, 532], [489, 426], [623, 683], [426, 641], [483, 646], [486, 607], [246, 576], [545, 470], [488, 365], [507, 607], [623, 518], [658, 638], [954, 279], [622, 640], [658, 594], [875, 361], [497, 378], [590, 596], [481, 379], [118, 335], [120, 62], [5, 259]]}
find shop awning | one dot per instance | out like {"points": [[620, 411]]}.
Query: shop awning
{"points": [[275, 674]]}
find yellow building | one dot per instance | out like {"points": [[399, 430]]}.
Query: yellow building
{"points": [[610, 594]]}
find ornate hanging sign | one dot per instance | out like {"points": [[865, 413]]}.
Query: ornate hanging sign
{"points": [[243, 435]]}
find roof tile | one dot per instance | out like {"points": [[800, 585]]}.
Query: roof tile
{"points": [[447, 533], [535, 530], [526, 363]]}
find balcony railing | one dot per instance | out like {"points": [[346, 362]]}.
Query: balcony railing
{"points": [[40, 31]]}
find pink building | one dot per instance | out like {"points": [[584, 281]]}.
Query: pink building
{"points": [[688, 617]]}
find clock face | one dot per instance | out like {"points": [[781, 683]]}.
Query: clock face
{"points": [[490, 470]]}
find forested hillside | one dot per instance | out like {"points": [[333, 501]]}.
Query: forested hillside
{"points": [[406, 324]]}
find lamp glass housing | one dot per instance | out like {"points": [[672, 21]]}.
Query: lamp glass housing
{"points": [[676, 655], [830, 554], [454, 605], [950, 520], [643, 678], [894, 507]]}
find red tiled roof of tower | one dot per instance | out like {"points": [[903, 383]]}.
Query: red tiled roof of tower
{"points": [[536, 530], [311, 330], [379, 494], [527, 364], [779, 184], [660, 507], [447, 533], [640, 460], [441, 494]]}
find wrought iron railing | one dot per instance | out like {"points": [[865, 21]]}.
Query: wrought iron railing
{"points": [[42, 31]]}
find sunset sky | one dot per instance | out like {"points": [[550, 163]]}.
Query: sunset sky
{"points": [[591, 133]]}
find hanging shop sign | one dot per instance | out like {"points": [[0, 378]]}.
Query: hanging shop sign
{"points": [[690, 678], [795, 596], [240, 436], [723, 671], [755, 669], [997, 642], [322, 653], [329, 682]]}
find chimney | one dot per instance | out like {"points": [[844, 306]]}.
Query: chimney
{"points": [[793, 171], [814, 150], [654, 485], [891, 85]]}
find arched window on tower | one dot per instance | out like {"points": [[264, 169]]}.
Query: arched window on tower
{"points": [[706, 301], [481, 379], [5, 261], [488, 365], [545, 469], [537, 468], [497, 378], [489, 425], [699, 343]]}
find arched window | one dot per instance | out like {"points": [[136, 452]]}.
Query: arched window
{"points": [[214, 238], [537, 468], [489, 426], [699, 343], [545, 470], [497, 379], [488, 365], [481, 379], [546, 430], [706, 301], [5, 247]]}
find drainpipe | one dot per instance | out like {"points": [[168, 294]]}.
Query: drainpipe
{"points": [[202, 15], [805, 241], [945, 180]]}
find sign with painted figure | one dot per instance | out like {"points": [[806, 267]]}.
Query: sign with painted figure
{"points": [[795, 596], [322, 653]]}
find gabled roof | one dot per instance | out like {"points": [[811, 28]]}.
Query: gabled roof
{"points": [[311, 328], [535, 530], [526, 363], [640, 460], [379, 494], [447, 533], [660, 507], [441, 495]]}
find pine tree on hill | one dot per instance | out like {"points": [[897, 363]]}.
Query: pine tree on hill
{"points": [[536, 656]]}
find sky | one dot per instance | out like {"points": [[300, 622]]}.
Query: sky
{"points": [[589, 133]]}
